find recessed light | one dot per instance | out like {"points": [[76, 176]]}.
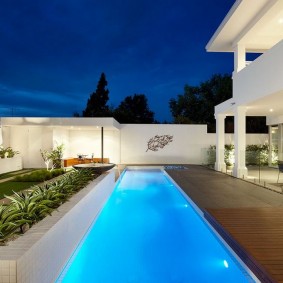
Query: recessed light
{"points": [[225, 263], [271, 110], [280, 21]]}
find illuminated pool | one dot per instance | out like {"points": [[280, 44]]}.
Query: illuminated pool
{"points": [[149, 232]]}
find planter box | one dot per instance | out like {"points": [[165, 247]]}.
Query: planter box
{"points": [[39, 254], [10, 164]]}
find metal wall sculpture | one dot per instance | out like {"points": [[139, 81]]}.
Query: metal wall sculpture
{"points": [[158, 142]]}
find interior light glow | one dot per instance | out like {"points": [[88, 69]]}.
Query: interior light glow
{"points": [[225, 263], [280, 21], [271, 110]]}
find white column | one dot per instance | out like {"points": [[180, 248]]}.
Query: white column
{"points": [[239, 57], [220, 142], [270, 146], [280, 142], [1, 136], [240, 168]]}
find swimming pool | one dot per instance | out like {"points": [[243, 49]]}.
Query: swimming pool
{"points": [[149, 232]]}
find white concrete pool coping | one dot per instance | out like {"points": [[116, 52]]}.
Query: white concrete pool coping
{"points": [[39, 254]]}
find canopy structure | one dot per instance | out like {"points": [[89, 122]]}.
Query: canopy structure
{"points": [[257, 24]]}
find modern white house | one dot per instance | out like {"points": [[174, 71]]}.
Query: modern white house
{"points": [[105, 137], [97, 137], [251, 26]]}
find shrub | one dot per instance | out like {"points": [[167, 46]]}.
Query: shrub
{"points": [[7, 152], [229, 154], [255, 154], [27, 208], [39, 175]]}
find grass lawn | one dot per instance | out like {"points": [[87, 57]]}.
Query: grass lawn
{"points": [[15, 173], [7, 188]]}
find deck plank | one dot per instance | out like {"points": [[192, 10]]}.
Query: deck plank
{"points": [[256, 233]]}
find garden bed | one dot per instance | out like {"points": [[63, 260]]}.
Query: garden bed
{"points": [[42, 251], [25, 181]]}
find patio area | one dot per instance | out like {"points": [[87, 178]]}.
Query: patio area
{"points": [[264, 176], [246, 215]]}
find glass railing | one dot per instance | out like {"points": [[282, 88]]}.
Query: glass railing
{"points": [[260, 172]]}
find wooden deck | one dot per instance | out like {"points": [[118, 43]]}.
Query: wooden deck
{"points": [[256, 235]]}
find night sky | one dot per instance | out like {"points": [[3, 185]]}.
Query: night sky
{"points": [[53, 52]]}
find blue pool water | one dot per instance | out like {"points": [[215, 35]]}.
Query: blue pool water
{"points": [[148, 232]]}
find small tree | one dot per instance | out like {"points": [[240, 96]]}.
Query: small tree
{"points": [[46, 155], [55, 155]]}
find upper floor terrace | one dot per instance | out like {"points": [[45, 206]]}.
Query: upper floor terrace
{"points": [[253, 26]]}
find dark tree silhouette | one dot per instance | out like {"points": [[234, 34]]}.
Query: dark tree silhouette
{"points": [[134, 110], [196, 105], [97, 102]]}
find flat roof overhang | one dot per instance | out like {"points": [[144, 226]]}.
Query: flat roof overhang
{"points": [[70, 123], [268, 106], [257, 24]]}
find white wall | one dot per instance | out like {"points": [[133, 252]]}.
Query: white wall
{"points": [[190, 143], [6, 136], [28, 141], [262, 77], [89, 141], [127, 146], [61, 136], [250, 138], [185, 148]]}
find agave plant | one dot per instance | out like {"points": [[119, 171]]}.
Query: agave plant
{"points": [[47, 200], [7, 227], [27, 208]]}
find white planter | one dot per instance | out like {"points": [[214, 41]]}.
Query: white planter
{"points": [[41, 253], [11, 164]]}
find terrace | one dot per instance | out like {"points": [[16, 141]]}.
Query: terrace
{"points": [[247, 216]]}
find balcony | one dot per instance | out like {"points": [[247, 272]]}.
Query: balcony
{"points": [[259, 85]]}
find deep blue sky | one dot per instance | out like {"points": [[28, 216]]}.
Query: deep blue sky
{"points": [[53, 52]]}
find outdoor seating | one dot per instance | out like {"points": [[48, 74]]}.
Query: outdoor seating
{"points": [[81, 158], [280, 169]]}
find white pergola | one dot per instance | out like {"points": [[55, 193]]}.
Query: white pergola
{"points": [[251, 26]]}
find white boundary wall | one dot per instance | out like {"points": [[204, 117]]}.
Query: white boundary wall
{"points": [[125, 146], [41, 252], [190, 143]]}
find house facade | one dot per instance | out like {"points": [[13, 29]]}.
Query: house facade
{"points": [[251, 26], [120, 143]]}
